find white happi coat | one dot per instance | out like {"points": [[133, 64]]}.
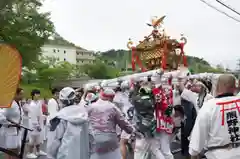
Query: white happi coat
{"points": [[104, 116], [53, 108], [70, 138], [212, 127], [12, 136], [193, 97]]}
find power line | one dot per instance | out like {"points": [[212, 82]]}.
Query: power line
{"points": [[227, 6], [213, 7]]}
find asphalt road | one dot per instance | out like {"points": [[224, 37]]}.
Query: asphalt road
{"points": [[174, 146]]}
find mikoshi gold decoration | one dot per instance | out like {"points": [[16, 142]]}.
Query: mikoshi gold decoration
{"points": [[158, 50], [10, 72]]}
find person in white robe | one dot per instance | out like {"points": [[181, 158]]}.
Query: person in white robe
{"points": [[12, 115], [218, 124], [69, 135], [193, 95], [35, 123], [53, 105], [104, 116], [127, 110]]}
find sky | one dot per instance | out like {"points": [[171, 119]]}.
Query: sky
{"points": [[100, 25]]}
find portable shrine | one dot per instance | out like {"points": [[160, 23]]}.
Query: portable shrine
{"points": [[158, 50]]}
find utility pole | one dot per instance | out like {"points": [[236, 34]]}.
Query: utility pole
{"points": [[238, 65], [238, 68]]}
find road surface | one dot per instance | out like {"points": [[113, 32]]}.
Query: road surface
{"points": [[174, 146]]}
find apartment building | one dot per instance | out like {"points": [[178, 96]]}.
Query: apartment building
{"points": [[84, 56], [69, 53]]}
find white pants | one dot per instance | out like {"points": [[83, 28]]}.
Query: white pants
{"points": [[12, 141], [146, 147], [165, 141], [35, 140], [45, 129], [116, 154], [158, 147], [10, 138], [44, 133]]}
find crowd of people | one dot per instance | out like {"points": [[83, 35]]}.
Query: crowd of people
{"points": [[134, 119]]}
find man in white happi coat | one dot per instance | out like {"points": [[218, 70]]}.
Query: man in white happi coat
{"points": [[150, 144], [69, 135], [193, 95], [217, 127], [104, 116], [11, 136]]}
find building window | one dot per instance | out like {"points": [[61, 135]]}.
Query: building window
{"points": [[64, 59], [54, 50], [64, 51], [77, 53], [82, 53], [57, 50], [82, 61]]}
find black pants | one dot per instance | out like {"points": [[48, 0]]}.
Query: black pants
{"points": [[184, 141]]}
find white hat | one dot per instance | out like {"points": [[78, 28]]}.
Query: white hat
{"points": [[107, 93], [67, 93]]}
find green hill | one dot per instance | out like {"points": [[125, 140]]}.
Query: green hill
{"points": [[122, 58]]}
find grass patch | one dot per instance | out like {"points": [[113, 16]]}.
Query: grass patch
{"points": [[45, 92]]}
